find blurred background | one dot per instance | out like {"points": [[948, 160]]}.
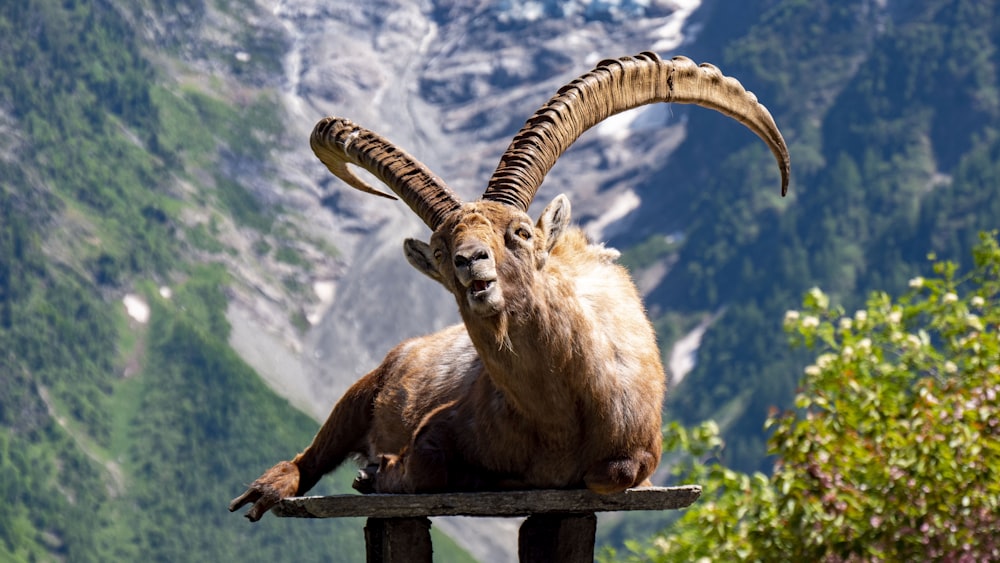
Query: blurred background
{"points": [[185, 291]]}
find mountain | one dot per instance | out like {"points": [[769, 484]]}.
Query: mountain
{"points": [[185, 290]]}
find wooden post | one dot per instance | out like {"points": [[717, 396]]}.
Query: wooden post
{"points": [[559, 529], [398, 540], [557, 538]]}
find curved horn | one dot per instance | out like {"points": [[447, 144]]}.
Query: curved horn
{"points": [[613, 87], [338, 142]]}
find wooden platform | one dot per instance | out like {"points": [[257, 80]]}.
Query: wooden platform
{"points": [[559, 529]]}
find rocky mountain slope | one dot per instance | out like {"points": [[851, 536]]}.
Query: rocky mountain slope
{"points": [[451, 84]]}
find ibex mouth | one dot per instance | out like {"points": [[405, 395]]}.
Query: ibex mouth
{"points": [[479, 287], [484, 297]]}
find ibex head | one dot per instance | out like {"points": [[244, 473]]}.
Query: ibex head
{"points": [[487, 251]]}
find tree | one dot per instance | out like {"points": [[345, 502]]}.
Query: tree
{"points": [[893, 449]]}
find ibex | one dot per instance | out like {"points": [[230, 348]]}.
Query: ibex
{"points": [[554, 379]]}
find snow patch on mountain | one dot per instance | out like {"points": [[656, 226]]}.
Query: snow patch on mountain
{"points": [[136, 307], [684, 353], [624, 204], [672, 33]]}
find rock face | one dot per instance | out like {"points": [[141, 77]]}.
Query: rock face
{"points": [[448, 81]]}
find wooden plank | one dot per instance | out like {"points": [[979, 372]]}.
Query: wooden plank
{"points": [[557, 538], [493, 503]]}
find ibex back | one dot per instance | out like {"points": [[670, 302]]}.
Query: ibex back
{"points": [[554, 379]]}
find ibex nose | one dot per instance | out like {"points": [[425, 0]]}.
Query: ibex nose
{"points": [[470, 253]]}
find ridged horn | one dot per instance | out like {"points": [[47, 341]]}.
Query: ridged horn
{"points": [[338, 142], [614, 86]]}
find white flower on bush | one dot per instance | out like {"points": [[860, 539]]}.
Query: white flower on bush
{"points": [[845, 323], [824, 360], [928, 396], [860, 317], [977, 301], [791, 316], [812, 370], [810, 321], [822, 300], [895, 316], [865, 344], [916, 282], [949, 298], [974, 322]]}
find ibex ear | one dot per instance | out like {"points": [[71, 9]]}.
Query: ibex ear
{"points": [[421, 257], [552, 225]]}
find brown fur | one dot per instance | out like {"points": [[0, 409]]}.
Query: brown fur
{"points": [[553, 381]]}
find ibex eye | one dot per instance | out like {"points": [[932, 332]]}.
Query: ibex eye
{"points": [[438, 254], [523, 233]]}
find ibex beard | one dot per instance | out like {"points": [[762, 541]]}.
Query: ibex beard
{"points": [[554, 378]]}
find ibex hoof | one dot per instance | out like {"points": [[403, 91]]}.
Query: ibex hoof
{"points": [[364, 482]]}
